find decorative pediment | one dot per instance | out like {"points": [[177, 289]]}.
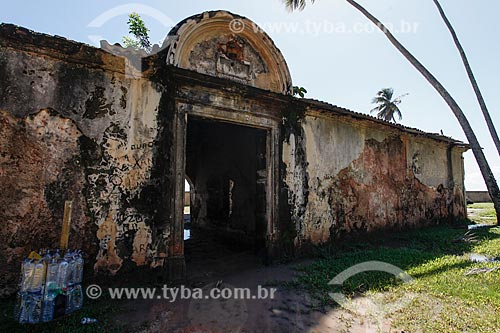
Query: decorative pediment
{"points": [[206, 44]]}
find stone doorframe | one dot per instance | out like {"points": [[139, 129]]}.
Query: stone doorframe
{"points": [[183, 109]]}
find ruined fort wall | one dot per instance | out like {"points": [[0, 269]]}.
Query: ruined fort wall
{"points": [[108, 132], [75, 124], [348, 177]]}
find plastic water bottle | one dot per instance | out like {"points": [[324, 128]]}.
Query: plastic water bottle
{"points": [[86, 321], [27, 273], [62, 274], [56, 256], [69, 300], [51, 290], [51, 280], [20, 309], [35, 308], [78, 268], [71, 267], [30, 309], [48, 306], [24, 302], [74, 298], [77, 298], [38, 280], [24, 308]]}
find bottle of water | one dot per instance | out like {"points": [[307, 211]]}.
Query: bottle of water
{"points": [[66, 268], [79, 268], [42, 280], [20, 309], [48, 306], [27, 274], [51, 280], [56, 256], [87, 320], [24, 307], [38, 280], [77, 298], [71, 267], [30, 309], [33, 297], [69, 300], [35, 308], [51, 289], [24, 300], [62, 274]]}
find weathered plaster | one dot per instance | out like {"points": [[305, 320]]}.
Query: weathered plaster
{"points": [[109, 131], [190, 45], [119, 176], [117, 120], [428, 161], [40, 168], [360, 178]]}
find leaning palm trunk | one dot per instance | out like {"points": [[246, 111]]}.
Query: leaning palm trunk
{"points": [[488, 176], [472, 78]]}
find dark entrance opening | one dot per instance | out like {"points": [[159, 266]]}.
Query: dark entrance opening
{"points": [[227, 169]]}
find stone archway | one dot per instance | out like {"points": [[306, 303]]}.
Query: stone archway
{"points": [[208, 44]]}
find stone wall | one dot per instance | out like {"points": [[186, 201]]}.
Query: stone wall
{"points": [[478, 196], [75, 127], [346, 176], [109, 132]]}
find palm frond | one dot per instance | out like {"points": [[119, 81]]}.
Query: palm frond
{"points": [[296, 4], [387, 107], [379, 100], [397, 100], [377, 108], [386, 92], [398, 113]]}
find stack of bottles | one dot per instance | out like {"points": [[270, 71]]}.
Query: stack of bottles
{"points": [[51, 286]]}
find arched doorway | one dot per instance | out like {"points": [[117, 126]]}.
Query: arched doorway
{"points": [[230, 80], [226, 164]]}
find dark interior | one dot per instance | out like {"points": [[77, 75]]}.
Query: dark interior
{"points": [[226, 166]]}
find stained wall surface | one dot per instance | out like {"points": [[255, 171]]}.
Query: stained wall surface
{"points": [[346, 177], [107, 129], [75, 127]]}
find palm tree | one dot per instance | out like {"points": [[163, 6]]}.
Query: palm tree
{"points": [[472, 78], [386, 106], [296, 4], [486, 172]]}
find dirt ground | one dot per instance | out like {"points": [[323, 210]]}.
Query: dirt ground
{"points": [[289, 311]]}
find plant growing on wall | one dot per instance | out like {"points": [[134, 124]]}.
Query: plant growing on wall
{"points": [[139, 38], [299, 91], [486, 172], [387, 107]]}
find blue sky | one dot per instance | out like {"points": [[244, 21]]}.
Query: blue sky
{"points": [[333, 51]]}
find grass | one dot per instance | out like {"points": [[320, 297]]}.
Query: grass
{"points": [[482, 213], [442, 298]]}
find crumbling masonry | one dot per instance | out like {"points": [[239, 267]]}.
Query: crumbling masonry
{"points": [[119, 133]]}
